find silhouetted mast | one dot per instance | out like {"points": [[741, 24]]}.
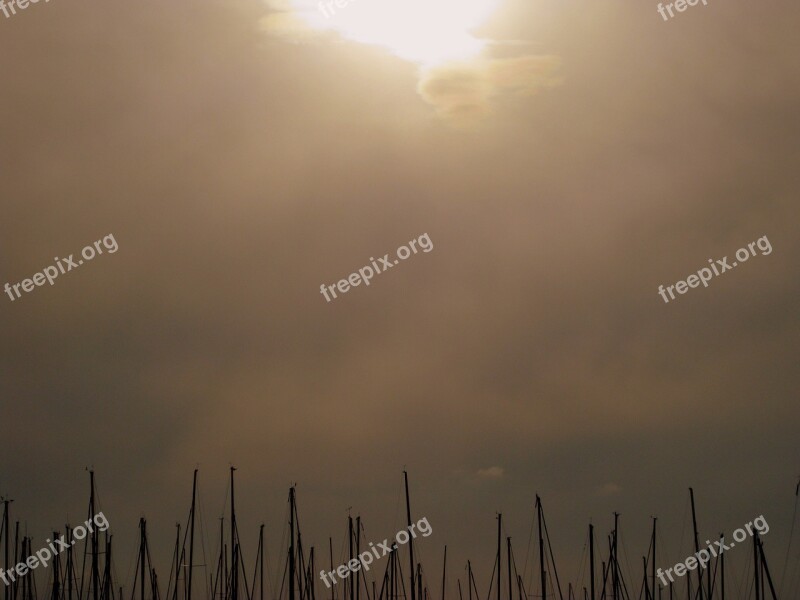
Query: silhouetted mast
{"points": [[191, 534], [591, 560], [7, 536], [410, 540], [444, 572], [499, 537], [291, 543], [95, 569], [234, 547], [542, 575], [696, 548]]}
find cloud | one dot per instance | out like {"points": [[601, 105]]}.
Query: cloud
{"points": [[491, 473], [609, 489], [462, 93]]}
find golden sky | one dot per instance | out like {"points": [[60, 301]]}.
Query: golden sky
{"points": [[565, 157]]}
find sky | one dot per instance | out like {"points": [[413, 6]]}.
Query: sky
{"points": [[564, 158]]}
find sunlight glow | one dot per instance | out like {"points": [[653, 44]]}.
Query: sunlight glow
{"points": [[427, 32]]}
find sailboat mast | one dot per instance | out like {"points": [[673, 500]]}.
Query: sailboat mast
{"points": [[92, 512], [696, 547], [444, 572], [330, 549], [499, 534], [70, 567], [291, 543], [350, 548], [6, 532], [653, 566], [7, 536], [410, 540], [234, 546], [261, 558], [756, 568], [191, 537], [56, 572], [508, 565], [615, 563], [722, 569], [142, 525], [591, 560], [358, 553], [541, 548]]}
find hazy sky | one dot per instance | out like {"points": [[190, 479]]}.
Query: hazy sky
{"points": [[565, 159]]}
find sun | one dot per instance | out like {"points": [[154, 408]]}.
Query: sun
{"points": [[427, 32]]}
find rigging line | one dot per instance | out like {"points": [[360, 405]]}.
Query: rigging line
{"points": [[550, 548], [175, 558], [714, 577], [491, 581], [528, 550], [738, 580], [683, 527], [203, 540], [583, 562], [627, 561], [283, 579]]}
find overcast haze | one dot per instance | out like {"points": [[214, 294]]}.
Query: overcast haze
{"points": [[242, 157]]}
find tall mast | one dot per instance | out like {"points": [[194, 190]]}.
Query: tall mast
{"points": [[142, 525], [615, 562], [234, 547], [16, 552], [591, 560], [108, 588], [410, 540], [722, 569], [499, 533], [696, 548], [177, 560], [310, 578], [261, 557], [756, 568], [95, 569], [541, 548], [358, 553], [350, 548], [70, 567], [765, 574], [508, 564], [291, 543], [7, 536], [191, 535], [653, 566], [444, 572], [56, 572], [330, 549]]}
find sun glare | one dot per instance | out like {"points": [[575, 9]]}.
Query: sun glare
{"points": [[427, 32]]}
